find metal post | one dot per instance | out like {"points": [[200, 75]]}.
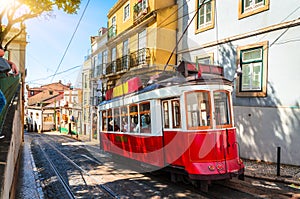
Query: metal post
{"points": [[278, 161]]}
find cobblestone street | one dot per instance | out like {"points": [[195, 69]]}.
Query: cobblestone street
{"points": [[30, 182]]}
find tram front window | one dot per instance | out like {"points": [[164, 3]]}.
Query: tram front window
{"points": [[222, 108], [198, 110]]}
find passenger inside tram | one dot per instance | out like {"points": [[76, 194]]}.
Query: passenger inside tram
{"points": [[113, 126]]}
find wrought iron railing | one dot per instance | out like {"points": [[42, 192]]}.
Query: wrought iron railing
{"points": [[8, 85], [141, 56], [118, 65]]}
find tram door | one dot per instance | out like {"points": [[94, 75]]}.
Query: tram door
{"points": [[171, 113], [171, 118]]}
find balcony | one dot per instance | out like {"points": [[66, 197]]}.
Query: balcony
{"points": [[140, 9], [139, 57], [118, 65], [112, 32]]}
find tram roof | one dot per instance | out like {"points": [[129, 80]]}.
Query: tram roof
{"points": [[163, 81]]}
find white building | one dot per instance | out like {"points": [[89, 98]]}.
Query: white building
{"points": [[86, 96], [99, 61], [263, 38]]}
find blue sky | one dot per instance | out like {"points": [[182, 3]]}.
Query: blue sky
{"points": [[49, 38]]}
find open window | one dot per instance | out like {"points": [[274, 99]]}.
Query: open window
{"points": [[145, 119], [133, 123]]}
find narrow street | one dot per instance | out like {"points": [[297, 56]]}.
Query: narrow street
{"points": [[66, 168]]}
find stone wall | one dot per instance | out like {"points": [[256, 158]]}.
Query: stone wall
{"points": [[9, 148]]}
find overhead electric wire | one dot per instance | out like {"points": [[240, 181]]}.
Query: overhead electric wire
{"points": [[70, 41], [186, 28], [44, 78]]}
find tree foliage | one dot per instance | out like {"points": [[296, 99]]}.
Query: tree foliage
{"points": [[13, 14]]}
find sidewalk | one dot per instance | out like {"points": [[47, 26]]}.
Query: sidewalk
{"points": [[288, 174], [28, 186]]}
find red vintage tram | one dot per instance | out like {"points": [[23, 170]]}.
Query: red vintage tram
{"points": [[181, 121]]}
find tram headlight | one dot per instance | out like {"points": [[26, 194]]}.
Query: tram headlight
{"points": [[239, 161], [211, 167]]}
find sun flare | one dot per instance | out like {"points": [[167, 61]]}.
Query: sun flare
{"points": [[11, 4]]}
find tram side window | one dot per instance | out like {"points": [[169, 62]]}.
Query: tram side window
{"points": [[124, 119], [104, 121], [116, 120], [109, 120], [222, 108], [145, 121], [198, 109], [166, 115], [176, 114], [133, 122]]}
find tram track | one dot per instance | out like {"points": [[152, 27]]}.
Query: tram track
{"points": [[60, 178], [127, 182], [123, 180], [84, 174]]}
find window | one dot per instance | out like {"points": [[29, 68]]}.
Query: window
{"points": [[116, 120], [222, 108], [100, 65], [206, 15], [104, 121], [251, 7], [198, 110], [171, 108], [133, 123], [124, 119], [112, 30], [113, 59], [253, 62], [166, 114], [105, 58], [126, 12], [110, 120], [85, 81], [205, 59], [145, 120], [144, 4], [125, 47], [176, 113], [125, 59], [142, 43], [94, 65]]}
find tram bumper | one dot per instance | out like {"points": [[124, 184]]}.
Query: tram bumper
{"points": [[215, 170]]}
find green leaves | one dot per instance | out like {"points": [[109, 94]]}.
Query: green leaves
{"points": [[18, 11]]}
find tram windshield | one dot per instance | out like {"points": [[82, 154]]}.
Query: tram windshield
{"points": [[198, 110], [222, 108]]}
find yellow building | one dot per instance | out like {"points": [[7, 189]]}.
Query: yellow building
{"points": [[141, 35]]}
